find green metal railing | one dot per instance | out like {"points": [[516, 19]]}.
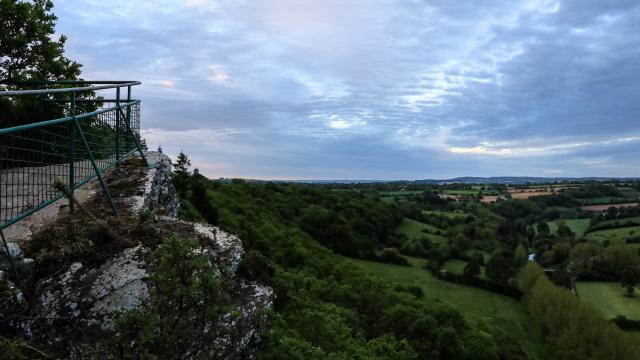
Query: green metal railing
{"points": [[92, 135]]}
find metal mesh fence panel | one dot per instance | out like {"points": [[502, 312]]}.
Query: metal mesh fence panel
{"points": [[34, 156]]}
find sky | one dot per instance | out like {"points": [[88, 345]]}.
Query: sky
{"points": [[375, 89]]}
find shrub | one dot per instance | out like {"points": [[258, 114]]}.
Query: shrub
{"points": [[188, 312], [392, 256]]}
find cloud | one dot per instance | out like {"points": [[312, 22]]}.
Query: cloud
{"points": [[453, 86]]}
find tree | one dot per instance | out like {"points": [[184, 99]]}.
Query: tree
{"points": [[461, 242], [471, 271], [183, 163], [520, 256], [477, 257], [561, 251], [28, 48], [619, 256], [412, 247], [562, 278], [548, 258], [543, 227], [630, 278], [564, 231], [582, 257], [498, 269], [392, 256]]}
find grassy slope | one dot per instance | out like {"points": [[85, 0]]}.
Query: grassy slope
{"points": [[617, 233], [476, 304], [457, 266], [620, 220], [413, 230], [578, 226], [608, 297], [449, 214]]}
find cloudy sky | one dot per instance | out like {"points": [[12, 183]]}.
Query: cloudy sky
{"points": [[375, 89]]}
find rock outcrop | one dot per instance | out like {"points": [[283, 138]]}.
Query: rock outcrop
{"points": [[91, 297]]}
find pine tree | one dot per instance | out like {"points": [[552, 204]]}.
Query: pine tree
{"points": [[182, 164]]}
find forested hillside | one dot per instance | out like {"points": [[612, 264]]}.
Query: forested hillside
{"points": [[325, 307]]}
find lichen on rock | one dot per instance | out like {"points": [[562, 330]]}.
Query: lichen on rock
{"points": [[89, 294]]}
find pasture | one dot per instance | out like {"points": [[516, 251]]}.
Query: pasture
{"points": [[449, 214], [632, 220], [414, 230], [455, 266], [609, 298], [604, 200], [578, 226], [477, 305], [617, 233]]}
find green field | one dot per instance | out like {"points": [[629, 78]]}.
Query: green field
{"points": [[578, 226], [449, 214], [628, 192], [400, 193], [413, 230], [634, 219], [476, 304], [610, 234], [457, 266], [605, 200], [470, 192], [609, 299]]}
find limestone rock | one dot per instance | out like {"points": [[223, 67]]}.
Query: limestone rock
{"points": [[157, 191]]}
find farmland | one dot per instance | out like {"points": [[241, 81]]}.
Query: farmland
{"points": [[577, 226], [609, 298], [528, 194], [615, 233], [415, 230], [605, 207], [475, 304], [449, 214]]}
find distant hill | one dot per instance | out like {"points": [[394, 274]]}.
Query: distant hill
{"points": [[513, 180], [516, 180]]}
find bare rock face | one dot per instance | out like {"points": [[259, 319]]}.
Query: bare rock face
{"points": [[24, 266], [96, 296], [157, 193], [92, 298]]}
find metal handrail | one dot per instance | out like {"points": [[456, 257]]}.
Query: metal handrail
{"points": [[111, 85], [67, 118], [21, 143]]}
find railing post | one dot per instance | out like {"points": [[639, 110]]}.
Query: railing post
{"points": [[128, 114], [95, 167], [118, 125], [136, 142], [72, 152]]}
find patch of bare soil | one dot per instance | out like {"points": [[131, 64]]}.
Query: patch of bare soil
{"points": [[528, 194], [606, 206]]}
